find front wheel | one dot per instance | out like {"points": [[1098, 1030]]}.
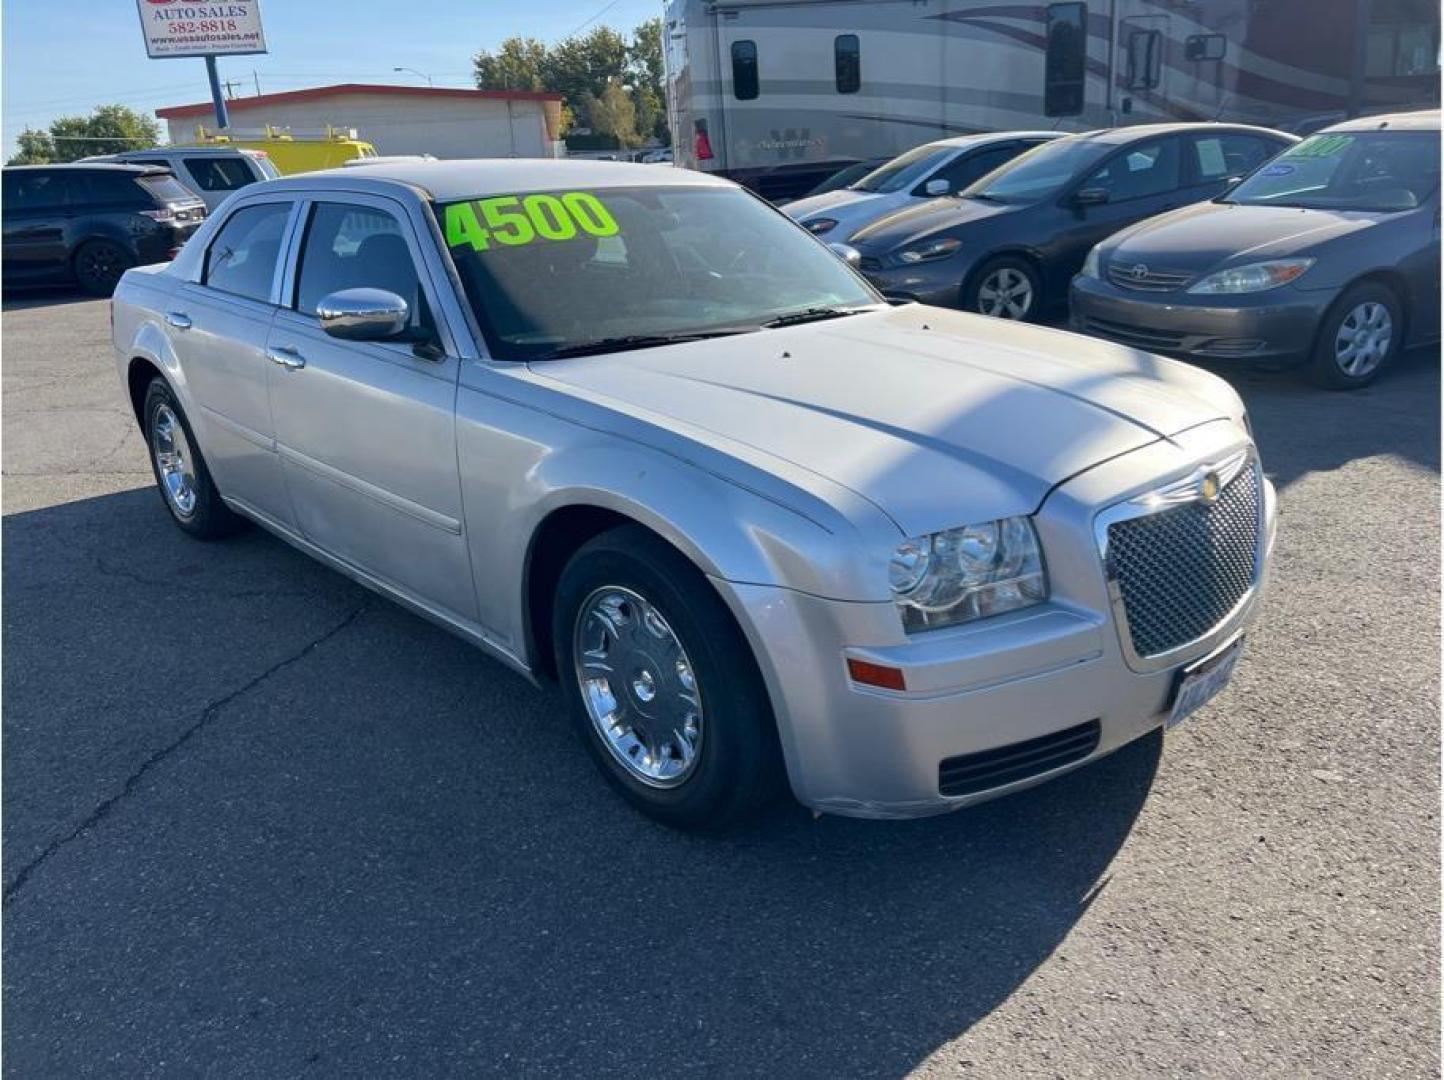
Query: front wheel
{"points": [[1359, 337], [1006, 288], [661, 683]]}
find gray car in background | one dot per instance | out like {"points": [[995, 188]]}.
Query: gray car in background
{"points": [[1327, 256], [925, 172], [212, 172]]}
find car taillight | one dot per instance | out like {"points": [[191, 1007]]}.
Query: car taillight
{"points": [[164, 214], [173, 253], [701, 143]]}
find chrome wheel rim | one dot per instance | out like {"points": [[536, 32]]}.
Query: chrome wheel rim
{"points": [[173, 461], [638, 686], [1363, 339], [1006, 294]]}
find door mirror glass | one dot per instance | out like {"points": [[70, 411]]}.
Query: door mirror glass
{"points": [[363, 314], [1090, 196], [937, 187]]}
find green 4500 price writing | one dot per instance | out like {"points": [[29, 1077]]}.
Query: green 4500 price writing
{"points": [[512, 220]]}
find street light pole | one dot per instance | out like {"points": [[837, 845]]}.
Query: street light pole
{"points": [[413, 71], [223, 119]]}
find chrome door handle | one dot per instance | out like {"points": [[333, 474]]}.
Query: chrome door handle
{"points": [[287, 358], [179, 319]]}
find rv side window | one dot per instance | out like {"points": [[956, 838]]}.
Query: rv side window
{"points": [[1066, 61], [1145, 59], [744, 70], [1204, 47], [847, 63]]}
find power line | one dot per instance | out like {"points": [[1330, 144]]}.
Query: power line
{"points": [[594, 18]]}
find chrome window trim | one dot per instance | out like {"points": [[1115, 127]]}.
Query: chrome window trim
{"points": [[1178, 493]]}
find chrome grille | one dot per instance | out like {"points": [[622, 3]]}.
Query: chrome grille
{"points": [[1140, 277], [1181, 571]]}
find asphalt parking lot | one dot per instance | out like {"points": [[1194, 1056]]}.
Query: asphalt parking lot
{"points": [[258, 822]]}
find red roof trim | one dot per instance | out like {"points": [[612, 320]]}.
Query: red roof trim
{"points": [[316, 93]]}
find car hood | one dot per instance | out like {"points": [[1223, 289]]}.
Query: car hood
{"points": [[936, 417], [924, 220], [1198, 238], [849, 208]]}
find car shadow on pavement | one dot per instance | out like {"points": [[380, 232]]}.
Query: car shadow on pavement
{"points": [[43, 296], [257, 819]]}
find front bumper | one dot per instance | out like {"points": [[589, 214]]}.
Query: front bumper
{"points": [[939, 283], [866, 752], [1274, 327]]}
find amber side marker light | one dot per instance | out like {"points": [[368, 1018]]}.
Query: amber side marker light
{"points": [[889, 678]]}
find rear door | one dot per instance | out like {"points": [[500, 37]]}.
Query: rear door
{"points": [[218, 327], [38, 207], [366, 430], [1213, 160]]}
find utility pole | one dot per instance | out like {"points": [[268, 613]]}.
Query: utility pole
{"points": [[258, 81], [230, 89]]}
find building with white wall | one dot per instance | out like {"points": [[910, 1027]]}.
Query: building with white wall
{"points": [[442, 121]]}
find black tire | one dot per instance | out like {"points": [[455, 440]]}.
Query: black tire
{"points": [[209, 518], [1326, 368], [739, 765], [99, 265], [980, 299]]}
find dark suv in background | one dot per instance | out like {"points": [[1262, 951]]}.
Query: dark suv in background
{"points": [[90, 223]]}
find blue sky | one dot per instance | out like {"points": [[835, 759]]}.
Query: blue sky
{"points": [[62, 59]]}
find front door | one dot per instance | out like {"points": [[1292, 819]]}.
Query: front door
{"points": [[366, 430], [218, 328]]}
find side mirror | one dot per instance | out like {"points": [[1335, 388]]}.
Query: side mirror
{"points": [[848, 254], [937, 187], [363, 314], [1090, 196]]}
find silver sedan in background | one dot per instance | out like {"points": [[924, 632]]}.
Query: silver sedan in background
{"points": [[632, 430]]}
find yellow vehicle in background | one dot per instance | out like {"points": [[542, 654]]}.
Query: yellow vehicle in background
{"points": [[296, 153]]}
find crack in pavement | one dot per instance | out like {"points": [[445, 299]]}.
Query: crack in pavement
{"points": [[207, 714]]}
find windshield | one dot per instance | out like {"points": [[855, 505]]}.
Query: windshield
{"points": [[1382, 171], [1039, 173], [905, 169], [550, 272]]}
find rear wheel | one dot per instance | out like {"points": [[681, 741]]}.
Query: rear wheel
{"points": [[661, 683], [1360, 336], [1007, 287], [180, 471], [99, 264]]}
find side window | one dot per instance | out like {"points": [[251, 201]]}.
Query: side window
{"points": [[744, 70], [242, 258], [1145, 59], [1221, 156], [1205, 47], [962, 171], [1146, 169], [354, 247], [1065, 65], [847, 63], [218, 174], [113, 189], [36, 191]]}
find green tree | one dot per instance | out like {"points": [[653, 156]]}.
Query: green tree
{"points": [[586, 65], [35, 148], [518, 64], [613, 113], [648, 77], [109, 129]]}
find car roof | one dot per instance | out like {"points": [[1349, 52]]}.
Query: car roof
{"points": [[1423, 120], [446, 181], [1120, 135], [96, 166], [994, 136]]}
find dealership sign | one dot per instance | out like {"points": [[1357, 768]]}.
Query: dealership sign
{"points": [[191, 28]]}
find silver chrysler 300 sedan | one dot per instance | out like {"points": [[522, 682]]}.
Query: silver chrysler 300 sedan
{"points": [[633, 430]]}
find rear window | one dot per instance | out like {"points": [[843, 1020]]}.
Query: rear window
{"points": [[167, 188]]}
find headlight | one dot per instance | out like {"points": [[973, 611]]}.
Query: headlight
{"points": [[818, 226], [1090, 264], [933, 249], [968, 573], [1255, 277]]}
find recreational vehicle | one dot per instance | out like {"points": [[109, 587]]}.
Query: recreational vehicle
{"points": [[776, 93]]}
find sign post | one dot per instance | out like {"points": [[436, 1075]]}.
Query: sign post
{"points": [[207, 28]]}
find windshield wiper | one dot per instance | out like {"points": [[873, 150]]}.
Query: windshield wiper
{"points": [[812, 314], [633, 341]]}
